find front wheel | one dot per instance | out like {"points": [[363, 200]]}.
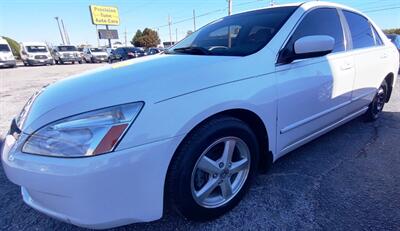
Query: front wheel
{"points": [[376, 106], [212, 169]]}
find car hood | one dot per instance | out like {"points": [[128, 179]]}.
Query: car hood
{"points": [[150, 79]]}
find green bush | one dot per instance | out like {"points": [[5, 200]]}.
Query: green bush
{"points": [[14, 46]]}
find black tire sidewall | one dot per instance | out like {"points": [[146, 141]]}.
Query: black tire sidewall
{"points": [[372, 115], [188, 155]]}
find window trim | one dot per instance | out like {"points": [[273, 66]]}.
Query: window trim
{"points": [[297, 25]]}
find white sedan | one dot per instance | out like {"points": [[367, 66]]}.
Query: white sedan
{"points": [[189, 128]]}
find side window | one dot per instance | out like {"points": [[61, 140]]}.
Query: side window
{"points": [[360, 30], [378, 40], [324, 21]]}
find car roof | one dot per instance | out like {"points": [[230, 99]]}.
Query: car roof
{"points": [[308, 5], [33, 44], [3, 41]]}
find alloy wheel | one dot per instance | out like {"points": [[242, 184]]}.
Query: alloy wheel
{"points": [[220, 172]]}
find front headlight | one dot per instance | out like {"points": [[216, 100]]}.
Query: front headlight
{"points": [[87, 134]]}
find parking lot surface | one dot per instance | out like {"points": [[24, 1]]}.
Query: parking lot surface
{"points": [[348, 179]]}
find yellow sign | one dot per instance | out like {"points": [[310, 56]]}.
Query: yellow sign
{"points": [[104, 15]]}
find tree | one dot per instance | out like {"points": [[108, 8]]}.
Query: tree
{"points": [[147, 38], [392, 31], [136, 37], [14, 45]]}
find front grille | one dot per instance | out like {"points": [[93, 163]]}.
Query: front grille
{"points": [[40, 57], [67, 55], [101, 56]]}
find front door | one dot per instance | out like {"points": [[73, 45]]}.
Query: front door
{"points": [[314, 92]]}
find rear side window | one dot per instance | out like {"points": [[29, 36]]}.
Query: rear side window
{"points": [[360, 30], [323, 21]]}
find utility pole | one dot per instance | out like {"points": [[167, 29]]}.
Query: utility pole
{"points": [[169, 26], [194, 20], [229, 7], [65, 33], [59, 28], [109, 40]]}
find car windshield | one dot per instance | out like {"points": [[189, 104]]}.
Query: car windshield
{"points": [[4, 48], [238, 35], [67, 48], [35, 49], [97, 50]]}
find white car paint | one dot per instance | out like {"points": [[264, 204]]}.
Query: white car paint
{"points": [[6, 57], [31, 57], [297, 102]]}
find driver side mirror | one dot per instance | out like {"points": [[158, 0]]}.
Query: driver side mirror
{"points": [[310, 47]]}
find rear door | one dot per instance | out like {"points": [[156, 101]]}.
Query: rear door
{"points": [[371, 58], [314, 92]]}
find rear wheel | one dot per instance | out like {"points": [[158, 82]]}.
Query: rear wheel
{"points": [[376, 106], [212, 169]]}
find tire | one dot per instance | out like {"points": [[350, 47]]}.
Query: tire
{"points": [[92, 60], [185, 179], [376, 106], [61, 62], [80, 61], [73, 62]]}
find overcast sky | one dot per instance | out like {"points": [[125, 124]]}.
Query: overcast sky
{"points": [[33, 20]]}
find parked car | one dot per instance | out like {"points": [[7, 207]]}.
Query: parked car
{"points": [[6, 56], [81, 54], [95, 55], [35, 53], [65, 54], [152, 51], [115, 146], [125, 53]]}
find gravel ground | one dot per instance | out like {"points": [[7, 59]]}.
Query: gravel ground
{"points": [[348, 179]]}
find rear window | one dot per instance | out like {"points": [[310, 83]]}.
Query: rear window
{"points": [[360, 30], [238, 35], [4, 48]]}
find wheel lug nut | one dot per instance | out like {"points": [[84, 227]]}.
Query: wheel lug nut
{"points": [[221, 165], [215, 175]]}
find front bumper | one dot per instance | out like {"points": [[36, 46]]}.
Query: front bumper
{"points": [[104, 191], [99, 59], [40, 61], [8, 63], [70, 59]]}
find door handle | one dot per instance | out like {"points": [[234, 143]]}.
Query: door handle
{"points": [[346, 66]]}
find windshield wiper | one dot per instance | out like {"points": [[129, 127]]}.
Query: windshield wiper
{"points": [[193, 50]]}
